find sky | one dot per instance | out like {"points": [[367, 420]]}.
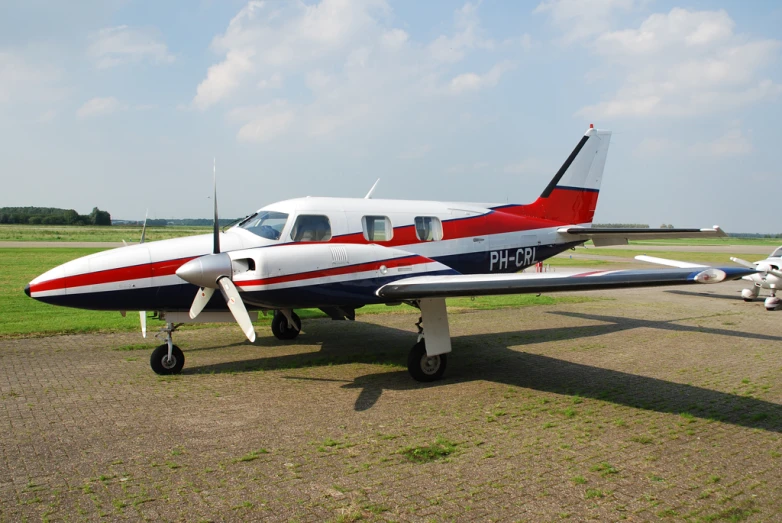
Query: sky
{"points": [[124, 104]]}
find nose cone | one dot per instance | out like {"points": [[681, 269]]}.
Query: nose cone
{"points": [[206, 270], [27, 290]]}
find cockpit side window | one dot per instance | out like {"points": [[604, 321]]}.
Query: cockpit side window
{"points": [[266, 224], [428, 228], [777, 253], [311, 228]]}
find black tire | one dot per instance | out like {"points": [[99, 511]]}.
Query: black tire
{"points": [[280, 327], [158, 360], [425, 368]]}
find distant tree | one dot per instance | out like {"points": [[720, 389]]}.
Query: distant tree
{"points": [[71, 216], [98, 217], [34, 220]]}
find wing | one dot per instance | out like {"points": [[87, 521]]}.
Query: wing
{"points": [[605, 237], [487, 284]]}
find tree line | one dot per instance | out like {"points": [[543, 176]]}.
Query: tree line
{"points": [[52, 216]]}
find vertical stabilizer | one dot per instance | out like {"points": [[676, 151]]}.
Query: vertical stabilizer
{"points": [[571, 196]]}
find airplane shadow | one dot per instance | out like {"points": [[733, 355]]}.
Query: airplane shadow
{"points": [[488, 357]]}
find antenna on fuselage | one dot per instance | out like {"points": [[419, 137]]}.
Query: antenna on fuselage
{"points": [[369, 194]]}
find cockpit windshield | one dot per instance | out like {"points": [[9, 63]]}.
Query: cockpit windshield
{"points": [[266, 224], [777, 253]]}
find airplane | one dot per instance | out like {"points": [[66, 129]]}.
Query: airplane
{"points": [[767, 275], [339, 254]]}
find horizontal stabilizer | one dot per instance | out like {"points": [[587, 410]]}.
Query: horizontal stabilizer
{"points": [[609, 236], [491, 284]]}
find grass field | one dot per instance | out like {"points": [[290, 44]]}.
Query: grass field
{"points": [[23, 316], [115, 233]]}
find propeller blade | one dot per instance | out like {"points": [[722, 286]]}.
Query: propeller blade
{"points": [[143, 317], [203, 296], [776, 273], [236, 305], [144, 228], [745, 263], [216, 249]]}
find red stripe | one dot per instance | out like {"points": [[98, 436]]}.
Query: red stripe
{"points": [[562, 205], [587, 274], [134, 272], [348, 269]]}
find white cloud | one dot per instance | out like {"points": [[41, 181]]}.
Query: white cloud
{"points": [[113, 46], [273, 82], [580, 19], [469, 36], [258, 39], [683, 63], [360, 71], [98, 107], [732, 143], [264, 122], [473, 82]]}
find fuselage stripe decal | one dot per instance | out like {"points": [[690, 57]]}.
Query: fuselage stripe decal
{"points": [[133, 272]]}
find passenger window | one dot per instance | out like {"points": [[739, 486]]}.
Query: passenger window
{"points": [[428, 228], [311, 228], [377, 228]]}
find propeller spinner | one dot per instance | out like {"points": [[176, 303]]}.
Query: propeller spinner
{"points": [[212, 272]]}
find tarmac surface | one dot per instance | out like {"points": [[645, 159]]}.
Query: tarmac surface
{"points": [[641, 405]]}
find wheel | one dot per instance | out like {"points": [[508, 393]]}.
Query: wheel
{"points": [[771, 303], [162, 365], [425, 368], [281, 329]]}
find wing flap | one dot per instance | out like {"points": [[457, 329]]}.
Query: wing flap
{"points": [[491, 284], [669, 263]]}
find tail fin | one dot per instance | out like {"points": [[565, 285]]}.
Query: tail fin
{"points": [[571, 196]]}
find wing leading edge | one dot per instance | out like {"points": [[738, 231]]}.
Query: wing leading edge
{"points": [[490, 284], [605, 237]]}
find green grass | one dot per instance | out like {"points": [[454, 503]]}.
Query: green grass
{"points": [[428, 453], [23, 316], [71, 233]]}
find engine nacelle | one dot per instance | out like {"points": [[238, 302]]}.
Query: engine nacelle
{"points": [[352, 266]]}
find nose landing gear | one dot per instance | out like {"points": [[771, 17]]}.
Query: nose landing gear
{"points": [[167, 358]]}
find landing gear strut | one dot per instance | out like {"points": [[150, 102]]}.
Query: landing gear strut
{"points": [[772, 302], [427, 361], [167, 358], [286, 324]]}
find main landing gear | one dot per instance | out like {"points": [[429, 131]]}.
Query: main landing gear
{"points": [[429, 356], [772, 302], [167, 358], [286, 324]]}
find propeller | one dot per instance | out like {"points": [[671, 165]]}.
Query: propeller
{"points": [[212, 272], [762, 267], [143, 314]]}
